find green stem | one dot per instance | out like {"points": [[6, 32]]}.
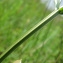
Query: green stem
{"points": [[28, 34]]}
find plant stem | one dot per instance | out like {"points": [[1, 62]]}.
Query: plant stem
{"points": [[28, 34]]}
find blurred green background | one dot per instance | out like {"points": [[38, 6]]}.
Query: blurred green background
{"points": [[16, 18]]}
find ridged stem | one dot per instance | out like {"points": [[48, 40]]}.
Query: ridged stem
{"points": [[28, 34]]}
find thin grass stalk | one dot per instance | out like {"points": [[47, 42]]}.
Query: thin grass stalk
{"points": [[28, 34]]}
